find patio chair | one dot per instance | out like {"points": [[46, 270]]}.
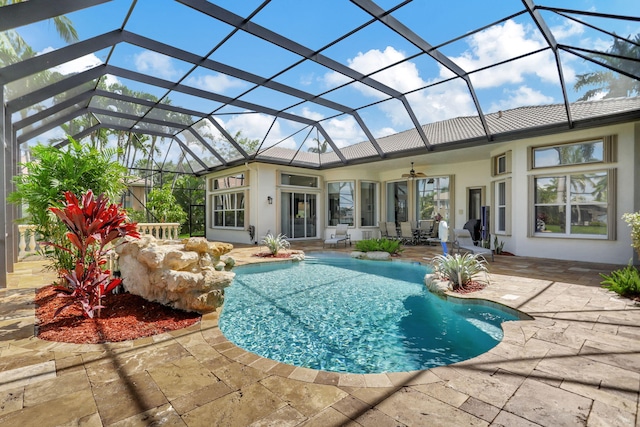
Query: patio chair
{"points": [[392, 231], [425, 231], [383, 230], [341, 235], [406, 234], [462, 240]]}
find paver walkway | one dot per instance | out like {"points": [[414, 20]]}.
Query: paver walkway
{"points": [[577, 363]]}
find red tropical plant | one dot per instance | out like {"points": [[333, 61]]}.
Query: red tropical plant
{"points": [[92, 224]]}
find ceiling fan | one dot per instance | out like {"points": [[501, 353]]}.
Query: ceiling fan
{"points": [[413, 174]]}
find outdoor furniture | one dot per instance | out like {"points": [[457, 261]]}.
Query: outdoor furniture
{"points": [[383, 230], [425, 231], [341, 235], [462, 240], [406, 234], [392, 231]]}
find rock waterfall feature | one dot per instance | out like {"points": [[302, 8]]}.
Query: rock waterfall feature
{"points": [[189, 275]]}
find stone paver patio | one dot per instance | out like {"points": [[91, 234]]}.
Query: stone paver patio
{"points": [[577, 363]]}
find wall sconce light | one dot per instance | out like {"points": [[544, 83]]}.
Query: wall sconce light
{"points": [[269, 200]]}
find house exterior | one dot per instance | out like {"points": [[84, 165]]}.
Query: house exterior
{"points": [[548, 192]]}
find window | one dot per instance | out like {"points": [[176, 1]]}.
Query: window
{"points": [[227, 199], [574, 204], [341, 202], [502, 203], [501, 164], [298, 180], [433, 196], [226, 182], [397, 197], [578, 153], [368, 204], [228, 209]]}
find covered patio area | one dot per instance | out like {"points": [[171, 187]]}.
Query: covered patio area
{"points": [[576, 363]]}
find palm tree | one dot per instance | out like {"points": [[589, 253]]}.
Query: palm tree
{"points": [[614, 85], [322, 147]]}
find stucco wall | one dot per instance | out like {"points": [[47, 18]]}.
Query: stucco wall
{"points": [[470, 173]]}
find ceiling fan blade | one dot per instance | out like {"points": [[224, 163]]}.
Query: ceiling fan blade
{"points": [[420, 175], [406, 175]]}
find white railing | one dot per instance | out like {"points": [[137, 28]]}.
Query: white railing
{"points": [[160, 230], [28, 243]]}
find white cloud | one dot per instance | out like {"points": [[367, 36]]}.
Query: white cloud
{"points": [[385, 131], [343, 131], [567, 30], [437, 103], [255, 126], [333, 79], [154, 63], [521, 97], [313, 115], [218, 83], [503, 42]]}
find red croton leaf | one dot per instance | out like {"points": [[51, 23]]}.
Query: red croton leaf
{"points": [[92, 225]]}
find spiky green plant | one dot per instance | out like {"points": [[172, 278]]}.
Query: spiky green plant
{"points": [[275, 243], [459, 269]]}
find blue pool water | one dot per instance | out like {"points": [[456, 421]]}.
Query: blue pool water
{"points": [[345, 315]]}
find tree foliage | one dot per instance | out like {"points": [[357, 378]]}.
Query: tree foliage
{"points": [[162, 205], [609, 83], [52, 172]]}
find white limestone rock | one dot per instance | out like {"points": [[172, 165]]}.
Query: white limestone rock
{"points": [[374, 255], [172, 275], [435, 285]]}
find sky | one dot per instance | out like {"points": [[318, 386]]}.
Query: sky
{"points": [[432, 90]]}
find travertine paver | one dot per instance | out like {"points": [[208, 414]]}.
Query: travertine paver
{"points": [[240, 408], [574, 363], [547, 405], [307, 398]]}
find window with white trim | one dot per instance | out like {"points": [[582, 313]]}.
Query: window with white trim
{"points": [[501, 207], [227, 196], [228, 210], [341, 202], [577, 198], [601, 150], [368, 203], [573, 204], [501, 164]]}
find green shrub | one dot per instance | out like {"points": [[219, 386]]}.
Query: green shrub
{"points": [[625, 282], [459, 269], [162, 205], [393, 247], [50, 173], [275, 243]]}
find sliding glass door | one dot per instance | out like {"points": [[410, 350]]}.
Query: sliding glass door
{"points": [[298, 215]]}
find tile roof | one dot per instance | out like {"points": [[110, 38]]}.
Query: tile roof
{"points": [[468, 128]]}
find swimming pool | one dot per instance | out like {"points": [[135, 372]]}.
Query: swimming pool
{"points": [[339, 314]]}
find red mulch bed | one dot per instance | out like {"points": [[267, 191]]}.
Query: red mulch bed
{"points": [[270, 255], [125, 317], [470, 287]]}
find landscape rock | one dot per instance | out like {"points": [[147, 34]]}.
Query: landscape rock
{"points": [[435, 285], [179, 274], [373, 255]]}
